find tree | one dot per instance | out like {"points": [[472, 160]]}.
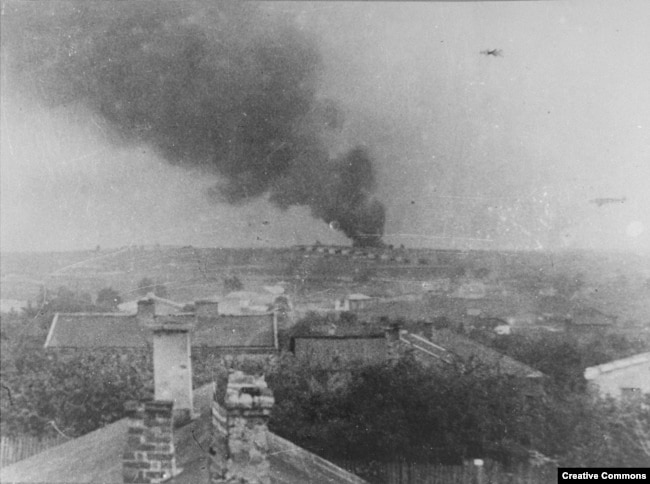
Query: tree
{"points": [[77, 393], [232, 283], [64, 300], [108, 299], [402, 411]]}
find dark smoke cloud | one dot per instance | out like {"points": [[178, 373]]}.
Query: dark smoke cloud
{"points": [[219, 86]]}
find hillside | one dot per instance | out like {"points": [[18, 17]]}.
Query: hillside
{"points": [[514, 283]]}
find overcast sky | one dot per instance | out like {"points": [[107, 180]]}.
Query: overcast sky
{"points": [[472, 150]]}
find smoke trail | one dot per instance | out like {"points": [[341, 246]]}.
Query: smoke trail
{"points": [[219, 86]]}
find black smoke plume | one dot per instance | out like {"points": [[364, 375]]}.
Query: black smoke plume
{"points": [[221, 86]]}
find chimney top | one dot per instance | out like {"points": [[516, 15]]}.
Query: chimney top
{"points": [[248, 392], [239, 449], [147, 301]]}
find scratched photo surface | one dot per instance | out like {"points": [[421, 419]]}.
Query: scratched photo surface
{"points": [[478, 172]]}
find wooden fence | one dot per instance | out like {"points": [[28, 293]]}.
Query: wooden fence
{"points": [[423, 473], [13, 449]]}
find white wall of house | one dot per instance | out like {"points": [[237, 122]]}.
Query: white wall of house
{"points": [[172, 368], [620, 378]]}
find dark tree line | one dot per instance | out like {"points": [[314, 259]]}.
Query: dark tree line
{"points": [[406, 412]]}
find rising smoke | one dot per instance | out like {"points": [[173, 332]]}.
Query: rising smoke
{"points": [[219, 86]]}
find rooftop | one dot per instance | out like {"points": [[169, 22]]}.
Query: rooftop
{"points": [[446, 345], [97, 457], [93, 330], [98, 330], [594, 371]]}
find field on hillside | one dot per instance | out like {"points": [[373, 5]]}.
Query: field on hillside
{"points": [[515, 283]]}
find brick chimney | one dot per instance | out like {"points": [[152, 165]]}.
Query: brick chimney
{"points": [[146, 311], [149, 455], [239, 449], [207, 309]]}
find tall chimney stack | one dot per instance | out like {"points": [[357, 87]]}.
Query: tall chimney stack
{"points": [[146, 311], [172, 366], [239, 450], [206, 309], [149, 455]]}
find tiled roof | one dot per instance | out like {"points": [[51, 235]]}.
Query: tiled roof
{"points": [[469, 351], [97, 457], [236, 330], [97, 330]]}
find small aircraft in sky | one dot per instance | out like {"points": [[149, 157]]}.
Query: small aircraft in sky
{"points": [[603, 201], [494, 52]]}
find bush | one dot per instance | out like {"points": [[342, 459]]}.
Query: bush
{"points": [[78, 393], [108, 299], [403, 411], [63, 300], [231, 284]]}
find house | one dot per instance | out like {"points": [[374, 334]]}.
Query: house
{"points": [[354, 302], [170, 336], [227, 440], [240, 302], [163, 306], [445, 347], [523, 320], [183, 436], [206, 326], [12, 305], [471, 290], [437, 286], [627, 377]]}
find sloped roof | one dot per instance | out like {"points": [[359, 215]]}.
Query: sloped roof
{"points": [[635, 360], [111, 330], [469, 351], [235, 330], [96, 330], [97, 457]]}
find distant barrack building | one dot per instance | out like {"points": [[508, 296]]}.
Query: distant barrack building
{"points": [[384, 254]]}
